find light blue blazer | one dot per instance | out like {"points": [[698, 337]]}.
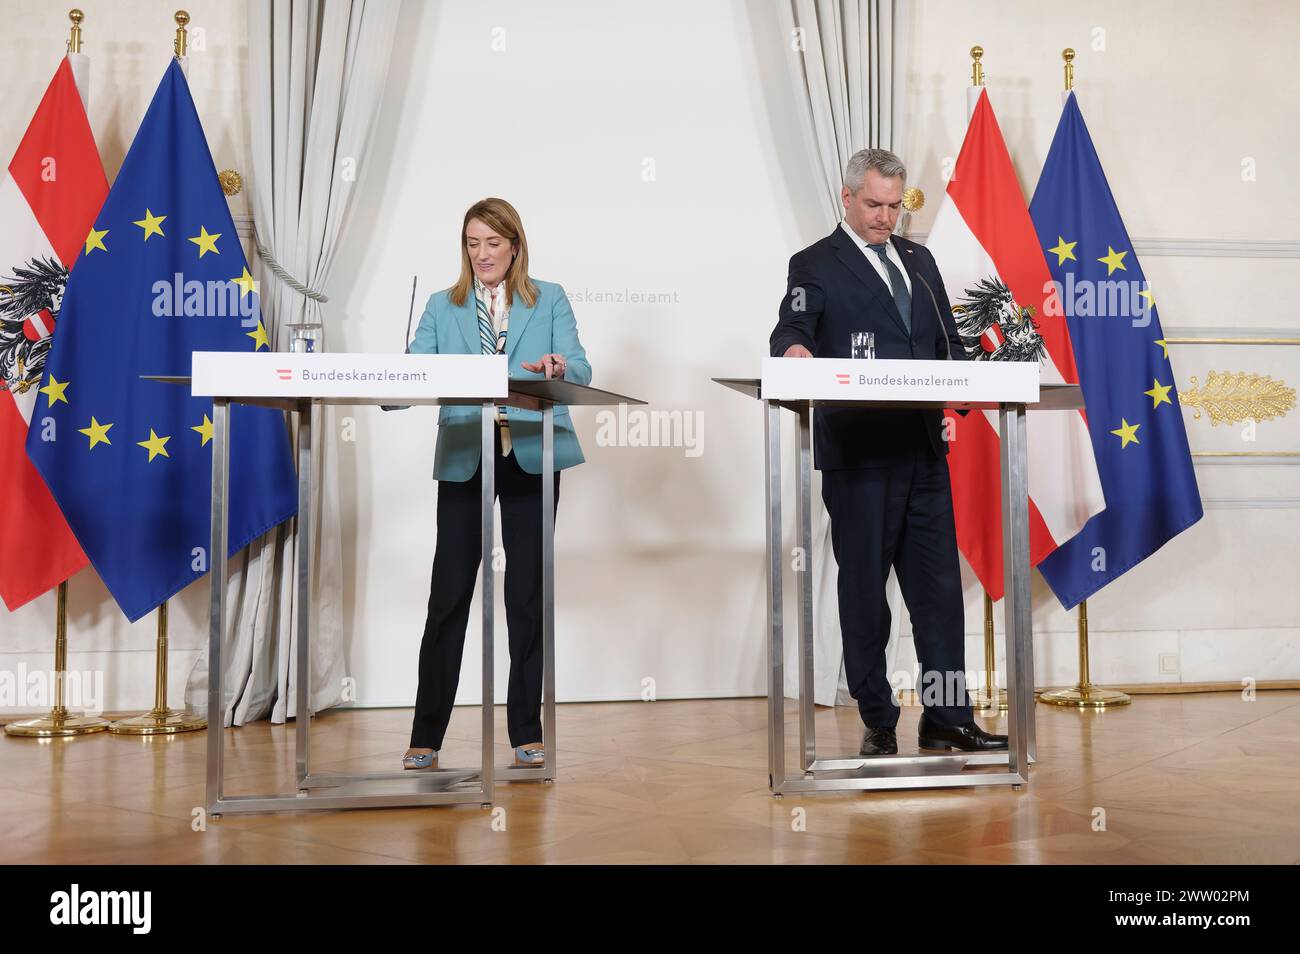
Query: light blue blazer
{"points": [[546, 328]]}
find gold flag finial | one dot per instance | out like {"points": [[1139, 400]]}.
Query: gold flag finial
{"points": [[976, 68], [1068, 55], [74, 41], [181, 18]]}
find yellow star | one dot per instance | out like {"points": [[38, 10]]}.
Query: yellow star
{"points": [[97, 432], [152, 224], [95, 239], [245, 283], [204, 430], [1159, 393], [55, 391], [1151, 299], [1113, 260], [259, 337], [206, 241], [1165, 345], [155, 445], [1127, 433], [1064, 251]]}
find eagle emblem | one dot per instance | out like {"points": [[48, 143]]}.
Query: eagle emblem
{"points": [[29, 306], [988, 305]]}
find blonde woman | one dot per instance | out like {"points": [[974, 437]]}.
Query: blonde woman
{"points": [[494, 307]]}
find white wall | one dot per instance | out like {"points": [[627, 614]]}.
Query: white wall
{"points": [[658, 553]]}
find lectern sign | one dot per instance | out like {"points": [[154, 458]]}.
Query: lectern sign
{"points": [[327, 375], [946, 382]]}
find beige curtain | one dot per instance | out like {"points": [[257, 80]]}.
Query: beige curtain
{"points": [[317, 70], [849, 71]]}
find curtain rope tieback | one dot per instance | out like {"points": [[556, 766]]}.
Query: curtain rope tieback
{"points": [[278, 270]]}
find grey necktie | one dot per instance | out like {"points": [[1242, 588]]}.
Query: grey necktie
{"points": [[902, 298]]}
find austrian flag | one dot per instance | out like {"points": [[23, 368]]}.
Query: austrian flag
{"points": [[49, 196], [1005, 307]]}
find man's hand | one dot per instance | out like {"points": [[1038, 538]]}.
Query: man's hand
{"points": [[552, 364], [797, 351]]}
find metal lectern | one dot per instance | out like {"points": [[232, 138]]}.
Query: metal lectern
{"points": [[299, 382], [800, 384]]}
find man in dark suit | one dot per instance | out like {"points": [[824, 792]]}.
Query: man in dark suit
{"points": [[884, 474]]}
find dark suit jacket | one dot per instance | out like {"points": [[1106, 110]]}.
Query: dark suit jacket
{"points": [[840, 292]]}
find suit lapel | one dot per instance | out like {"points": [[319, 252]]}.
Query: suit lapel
{"points": [[467, 321], [855, 259], [520, 313]]}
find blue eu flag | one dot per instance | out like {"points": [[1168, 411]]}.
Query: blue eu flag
{"points": [[162, 275], [1134, 417]]}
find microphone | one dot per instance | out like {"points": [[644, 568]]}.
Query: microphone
{"points": [[938, 313], [409, 315]]}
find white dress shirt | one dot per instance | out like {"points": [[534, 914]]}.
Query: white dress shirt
{"points": [[875, 261]]}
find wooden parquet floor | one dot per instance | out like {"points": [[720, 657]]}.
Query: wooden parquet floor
{"points": [[1197, 778]]}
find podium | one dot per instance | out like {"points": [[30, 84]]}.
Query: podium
{"points": [[300, 382], [800, 384]]}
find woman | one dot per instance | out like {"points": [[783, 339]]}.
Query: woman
{"points": [[493, 307]]}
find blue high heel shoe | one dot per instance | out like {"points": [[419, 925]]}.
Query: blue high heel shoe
{"points": [[427, 760], [525, 756]]}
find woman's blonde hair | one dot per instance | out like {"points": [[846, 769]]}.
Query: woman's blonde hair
{"points": [[500, 216]]}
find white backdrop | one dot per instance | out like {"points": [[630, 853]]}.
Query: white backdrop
{"points": [[652, 152]]}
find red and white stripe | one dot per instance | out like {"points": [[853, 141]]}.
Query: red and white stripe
{"points": [[983, 229], [49, 197]]}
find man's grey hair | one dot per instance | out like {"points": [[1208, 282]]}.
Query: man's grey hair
{"points": [[882, 160]]}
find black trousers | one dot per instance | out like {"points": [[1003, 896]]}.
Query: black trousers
{"points": [[456, 562], [899, 514]]}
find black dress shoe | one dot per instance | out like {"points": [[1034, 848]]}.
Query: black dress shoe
{"points": [[968, 737], [882, 741]]}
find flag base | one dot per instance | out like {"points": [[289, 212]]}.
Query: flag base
{"points": [[984, 701], [58, 724], [159, 722], [1085, 697]]}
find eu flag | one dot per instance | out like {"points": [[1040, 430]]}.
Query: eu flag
{"points": [[161, 275], [1135, 420]]}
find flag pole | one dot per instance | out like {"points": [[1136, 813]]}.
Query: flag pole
{"points": [[161, 720], [991, 698], [59, 723], [182, 38], [1083, 694], [74, 40]]}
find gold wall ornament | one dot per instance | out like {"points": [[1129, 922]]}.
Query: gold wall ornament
{"points": [[232, 183], [1230, 397], [913, 199]]}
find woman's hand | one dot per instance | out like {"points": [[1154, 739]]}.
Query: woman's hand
{"points": [[552, 364]]}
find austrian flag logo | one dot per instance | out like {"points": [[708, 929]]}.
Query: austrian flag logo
{"points": [[842, 378], [29, 306], [284, 374]]}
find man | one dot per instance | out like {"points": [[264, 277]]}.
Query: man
{"points": [[884, 476]]}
